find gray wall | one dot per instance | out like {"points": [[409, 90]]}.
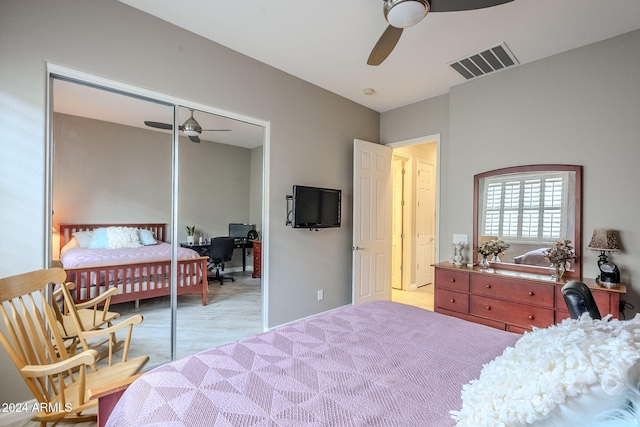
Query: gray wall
{"points": [[580, 107], [312, 132], [110, 173]]}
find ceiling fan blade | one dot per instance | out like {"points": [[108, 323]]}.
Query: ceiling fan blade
{"points": [[159, 125], [194, 138], [385, 45], [460, 5], [216, 130]]}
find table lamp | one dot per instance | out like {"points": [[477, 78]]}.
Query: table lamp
{"points": [[606, 240]]}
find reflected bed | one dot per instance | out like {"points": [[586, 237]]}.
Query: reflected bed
{"points": [[139, 272]]}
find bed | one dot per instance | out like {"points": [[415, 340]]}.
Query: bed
{"points": [[387, 364], [375, 364], [138, 270]]}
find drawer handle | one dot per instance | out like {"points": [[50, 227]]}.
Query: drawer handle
{"points": [[488, 307], [488, 286], [453, 300], [453, 280], [530, 293], [530, 317]]}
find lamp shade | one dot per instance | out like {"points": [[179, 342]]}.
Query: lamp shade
{"points": [[604, 239]]}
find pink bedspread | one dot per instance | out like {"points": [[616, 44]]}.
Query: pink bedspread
{"points": [[85, 257], [374, 364]]}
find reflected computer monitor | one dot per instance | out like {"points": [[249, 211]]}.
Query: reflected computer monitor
{"points": [[240, 231]]}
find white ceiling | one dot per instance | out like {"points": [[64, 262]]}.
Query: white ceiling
{"points": [[85, 101], [327, 42]]}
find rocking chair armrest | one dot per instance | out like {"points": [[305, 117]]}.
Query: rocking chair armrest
{"points": [[97, 300], [136, 319], [112, 387], [88, 357]]}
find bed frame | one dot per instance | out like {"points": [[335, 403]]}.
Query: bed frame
{"points": [[192, 273]]}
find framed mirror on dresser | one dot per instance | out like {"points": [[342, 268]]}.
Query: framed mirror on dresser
{"points": [[530, 208]]}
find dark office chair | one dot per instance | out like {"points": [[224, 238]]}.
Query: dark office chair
{"points": [[220, 251], [579, 300]]}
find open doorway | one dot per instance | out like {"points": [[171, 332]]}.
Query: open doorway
{"points": [[414, 219]]}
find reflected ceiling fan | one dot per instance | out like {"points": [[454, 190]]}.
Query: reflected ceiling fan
{"points": [[401, 14], [190, 127]]}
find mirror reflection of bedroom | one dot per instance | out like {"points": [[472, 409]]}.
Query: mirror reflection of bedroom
{"points": [[110, 168]]}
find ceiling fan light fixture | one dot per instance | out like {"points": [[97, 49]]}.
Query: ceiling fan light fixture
{"points": [[405, 13], [191, 127]]}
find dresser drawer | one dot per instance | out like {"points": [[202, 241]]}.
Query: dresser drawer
{"points": [[511, 312], [451, 300], [513, 290], [451, 279]]}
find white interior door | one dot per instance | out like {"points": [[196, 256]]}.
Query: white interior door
{"points": [[371, 222], [397, 222], [425, 220]]}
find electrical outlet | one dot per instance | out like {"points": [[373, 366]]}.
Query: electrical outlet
{"points": [[460, 238], [320, 294]]}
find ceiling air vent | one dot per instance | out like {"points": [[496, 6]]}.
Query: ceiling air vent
{"points": [[478, 64]]}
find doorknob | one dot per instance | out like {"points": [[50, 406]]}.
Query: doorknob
{"points": [[358, 248]]}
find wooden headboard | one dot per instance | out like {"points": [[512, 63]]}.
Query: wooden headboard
{"points": [[66, 230]]}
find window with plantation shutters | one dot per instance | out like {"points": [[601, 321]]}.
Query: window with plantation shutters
{"points": [[525, 207]]}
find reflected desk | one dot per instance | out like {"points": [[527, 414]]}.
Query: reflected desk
{"points": [[203, 249]]}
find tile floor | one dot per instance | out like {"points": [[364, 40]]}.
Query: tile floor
{"points": [[421, 297]]}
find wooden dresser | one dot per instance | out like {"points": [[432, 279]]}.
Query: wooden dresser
{"points": [[257, 259], [510, 300]]}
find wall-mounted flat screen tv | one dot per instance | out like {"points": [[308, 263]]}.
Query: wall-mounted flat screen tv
{"points": [[315, 207]]}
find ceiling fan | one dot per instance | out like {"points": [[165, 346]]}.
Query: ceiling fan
{"points": [[190, 127], [401, 14]]}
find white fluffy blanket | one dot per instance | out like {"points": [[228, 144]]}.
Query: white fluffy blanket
{"points": [[571, 370]]}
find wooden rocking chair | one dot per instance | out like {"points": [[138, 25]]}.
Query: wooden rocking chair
{"points": [[58, 380], [92, 315], [87, 326]]}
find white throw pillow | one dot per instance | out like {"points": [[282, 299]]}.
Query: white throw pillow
{"points": [[84, 238], [562, 375], [123, 237]]}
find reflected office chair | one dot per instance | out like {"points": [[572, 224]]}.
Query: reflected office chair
{"points": [[220, 251], [579, 300]]}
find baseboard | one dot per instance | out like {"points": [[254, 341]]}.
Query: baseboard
{"points": [[7, 418]]}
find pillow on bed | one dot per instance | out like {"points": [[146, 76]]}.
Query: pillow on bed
{"points": [[115, 238], [84, 238], [73, 243], [146, 237], [558, 376], [123, 237], [99, 239]]}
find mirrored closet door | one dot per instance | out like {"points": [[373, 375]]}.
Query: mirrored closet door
{"points": [[116, 166]]}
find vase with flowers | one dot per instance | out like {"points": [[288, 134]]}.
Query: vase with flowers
{"points": [[491, 247], [558, 256]]}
